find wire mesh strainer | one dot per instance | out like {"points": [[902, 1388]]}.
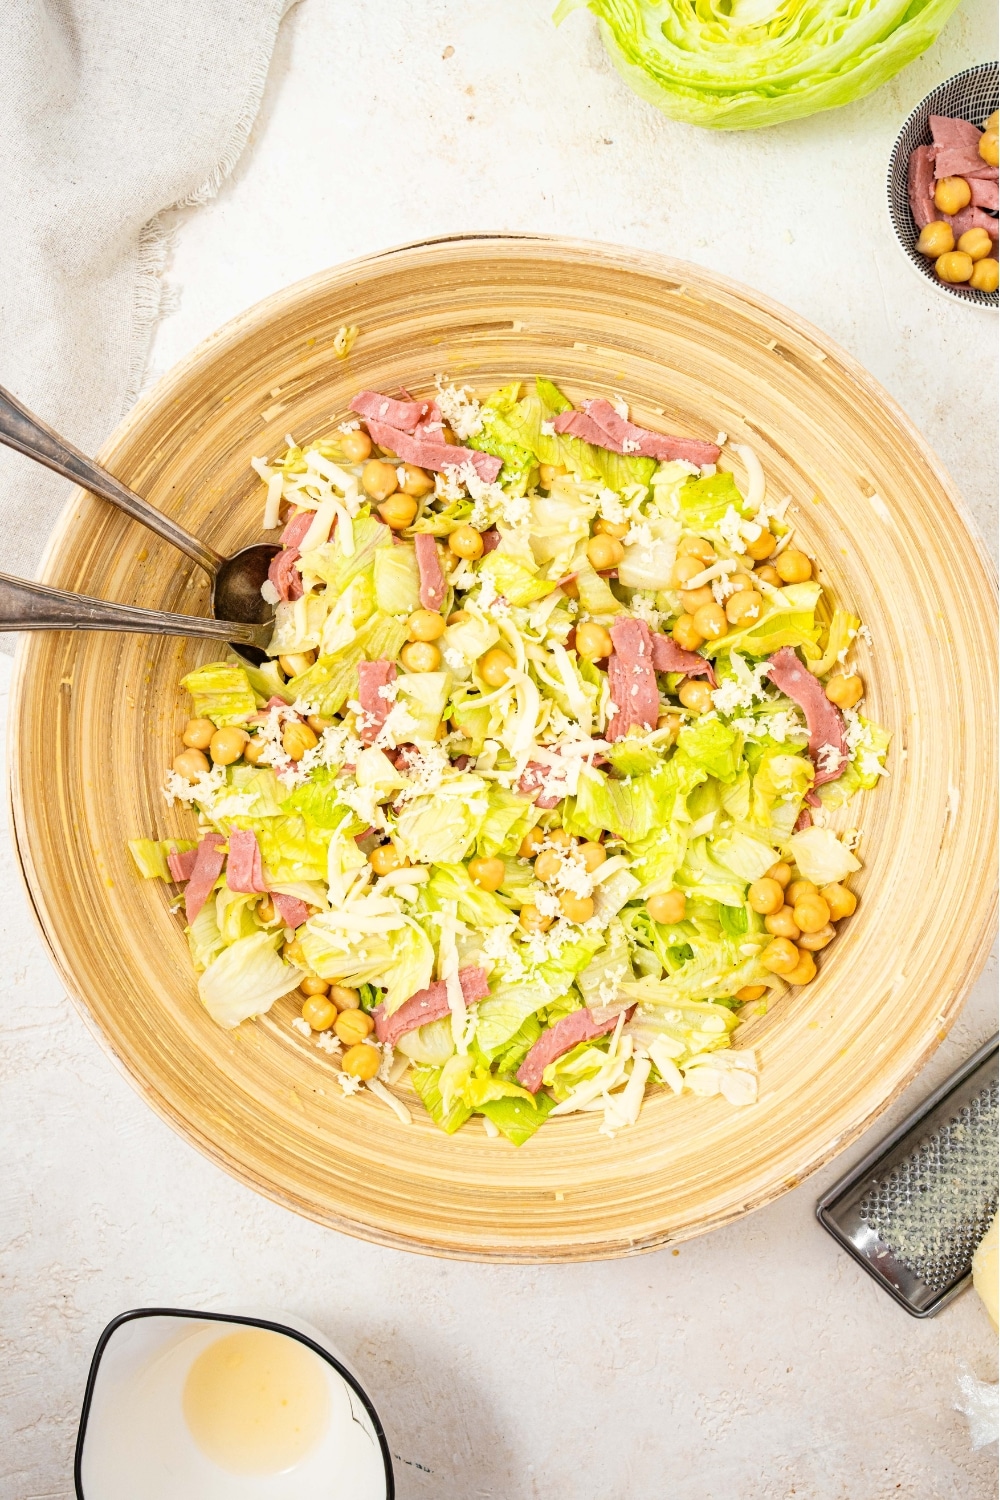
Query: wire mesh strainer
{"points": [[914, 1210]]}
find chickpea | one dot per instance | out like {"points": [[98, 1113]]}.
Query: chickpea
{"points": [[532, 920], [975, 243], [812, 942], [952, 194], [532, 842], [799, 888], [362, 1061], [762, 546], [744, 608], [198, 733], [294, 953], [667, 907], [254, 749], [296, 662], [985, 275], [352, 1026], [954, 268], [617, 529], [685, 634], [780, 872], [695, 695], [993, 123], [356, 446], [710, 621], [386, 858], [696, 546], [604, 552], [780, 956], [766, 896], [811, 913], [989, 146], [398, 512], [447, 436], [313, 985], [191, 764], [561, 838], [547, 865], [379, 479], [488, 874], [549, 473], [593, 642], [793, 566], [458, 616], [316, 722], [424, 625], [769, 574], [845, 689], [570, 588], [936, 239], [494, 666], [266, 909], [344, 998], [297, 738], [804, 971], [593, 855], [841, 901], [671, 723], [421, 656], [416, 482], [576, 908], [782, 924], [693, 599], [227, 745], [466, 541], [751, 992], [318, 1011], [685, 568]]}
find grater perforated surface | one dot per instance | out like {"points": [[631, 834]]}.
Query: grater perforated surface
{"points": [[912, 1212], [935, 1206]]}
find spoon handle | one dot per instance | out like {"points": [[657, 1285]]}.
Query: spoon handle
{"points": [[21, 430], [33, 606]]}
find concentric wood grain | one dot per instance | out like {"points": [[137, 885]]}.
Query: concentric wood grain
{"points": [[96, 719]]}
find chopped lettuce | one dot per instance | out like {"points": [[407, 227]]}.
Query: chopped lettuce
{"points": [[221, 692], [515, 1118], [245, 979]]}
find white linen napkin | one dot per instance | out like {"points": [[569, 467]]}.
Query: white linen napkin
{"points": [[111, 111]]}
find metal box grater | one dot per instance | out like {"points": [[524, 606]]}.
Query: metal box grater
{"points": [[913, 1212]]}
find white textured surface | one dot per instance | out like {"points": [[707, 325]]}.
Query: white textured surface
{"points": [[755, 1364]]}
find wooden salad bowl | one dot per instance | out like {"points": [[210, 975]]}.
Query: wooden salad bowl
{"points": [[96, 721]]}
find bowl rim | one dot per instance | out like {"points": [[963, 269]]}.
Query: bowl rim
{"points": [[663, 268], [241, 1320], [969, 296]]}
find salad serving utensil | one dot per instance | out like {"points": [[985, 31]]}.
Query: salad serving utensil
{"points": [[241, 614]]}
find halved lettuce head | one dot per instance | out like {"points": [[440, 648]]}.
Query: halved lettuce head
{"points": [[747, 65]]}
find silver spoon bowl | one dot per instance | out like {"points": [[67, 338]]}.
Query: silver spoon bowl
{"points": [[236, 580]]}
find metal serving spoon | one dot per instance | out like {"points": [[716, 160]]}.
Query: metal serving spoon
{"points": [[236, 580]]}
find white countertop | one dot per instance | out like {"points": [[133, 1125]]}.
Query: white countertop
{"points": [[756, 1363]]}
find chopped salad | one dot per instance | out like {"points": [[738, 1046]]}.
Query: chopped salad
{"points": [[531, 802]]}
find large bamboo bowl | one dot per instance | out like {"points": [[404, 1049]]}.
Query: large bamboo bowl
{"points": [[96, 720]]}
